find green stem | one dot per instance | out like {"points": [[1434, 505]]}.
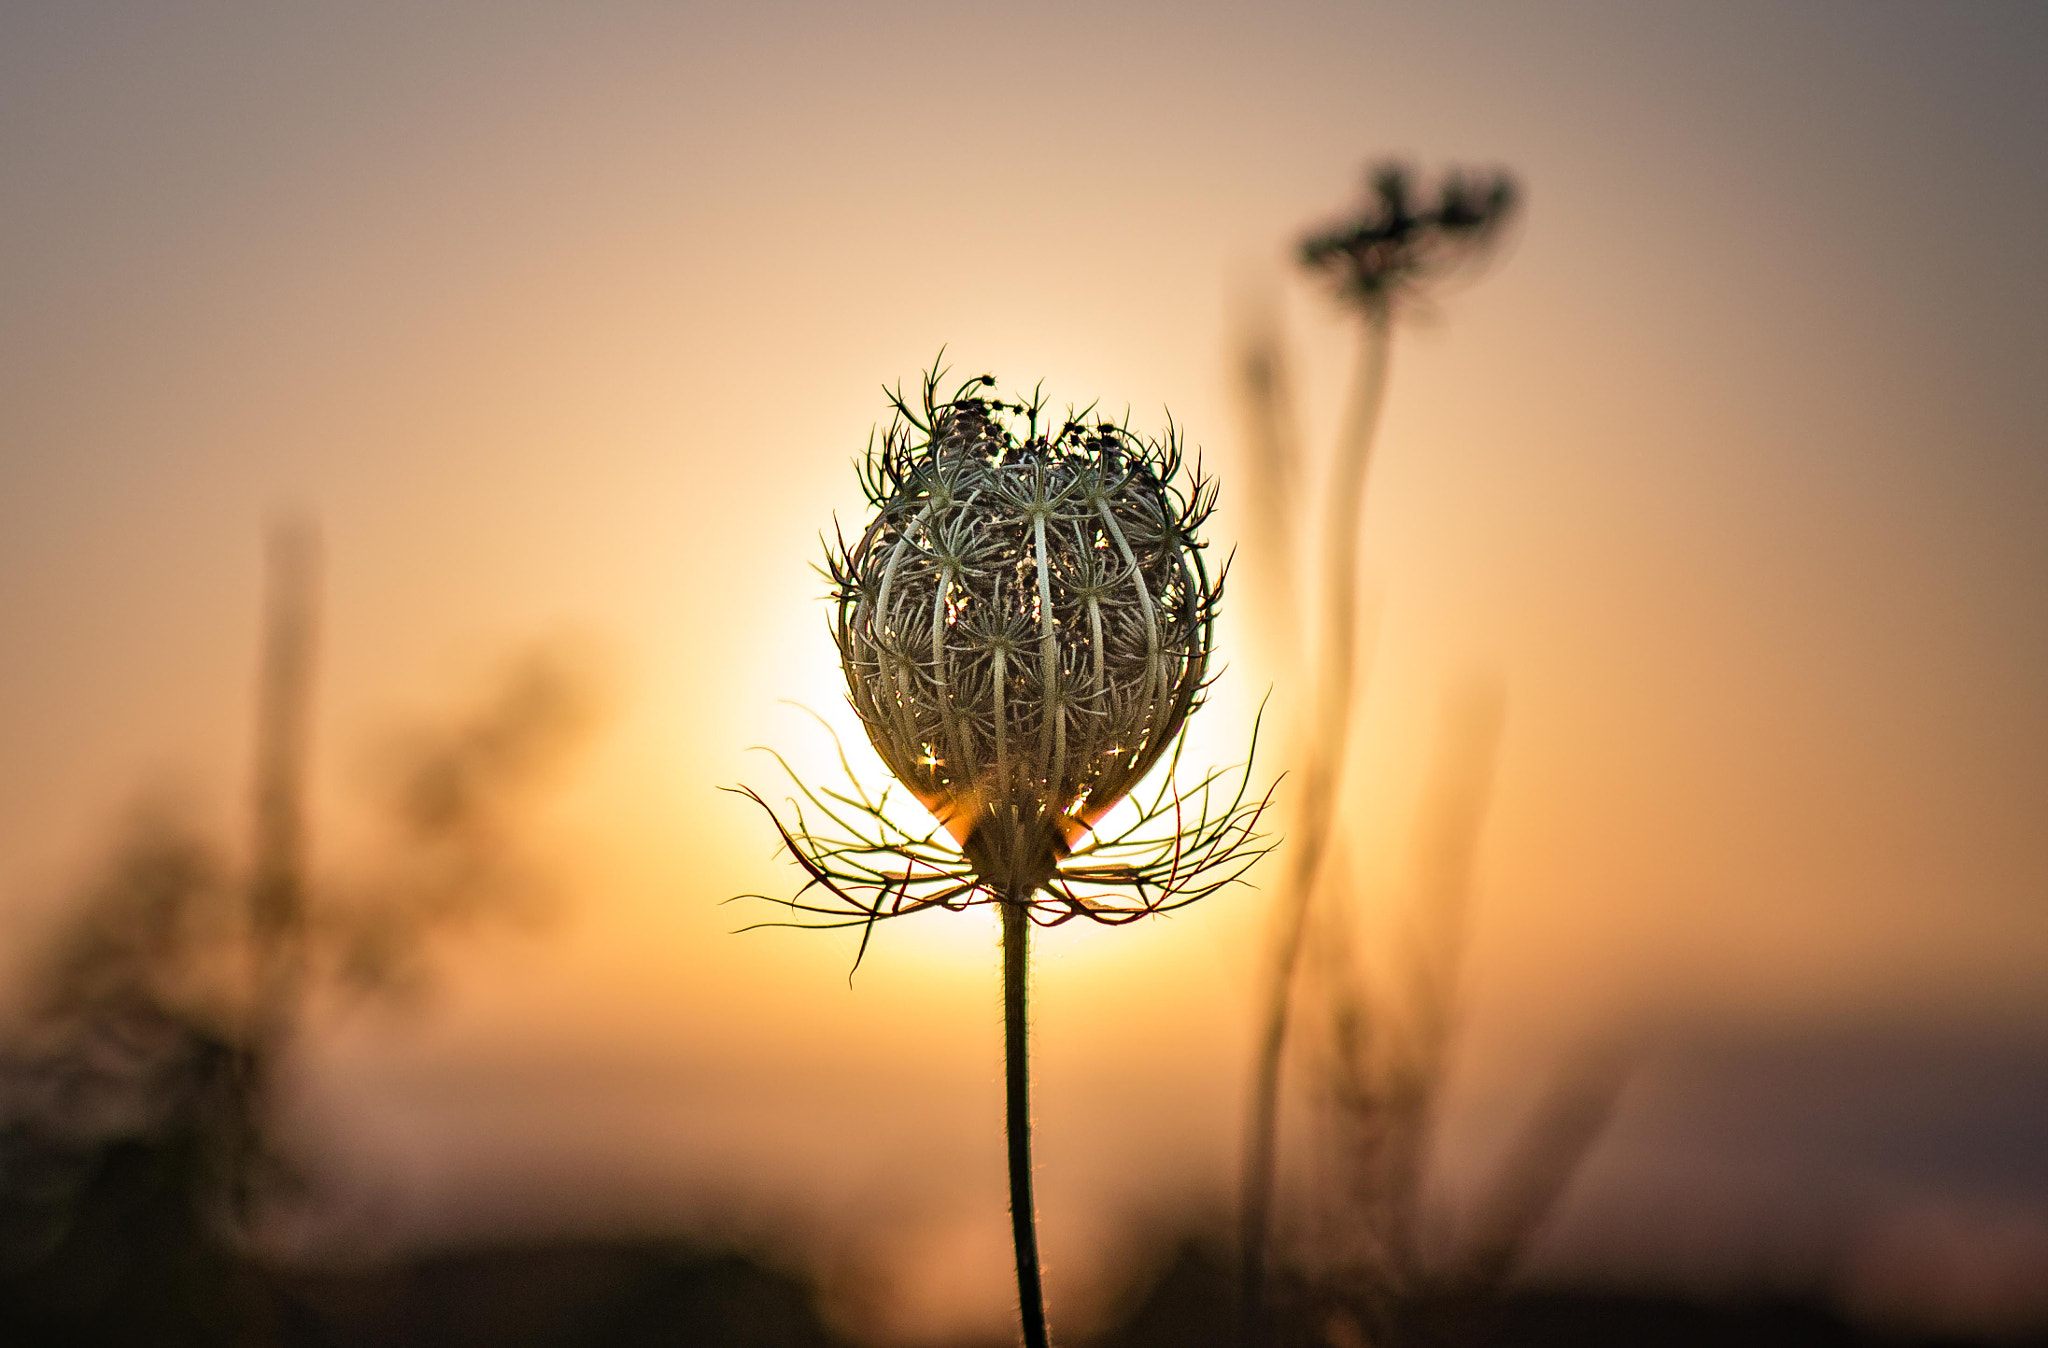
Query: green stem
{"points": [[1017, 1080]]}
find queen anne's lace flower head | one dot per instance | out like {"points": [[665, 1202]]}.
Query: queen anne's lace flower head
{"points": [[1025, 625]]}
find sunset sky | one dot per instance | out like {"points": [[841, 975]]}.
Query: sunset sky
{"points": [[566, 323]]}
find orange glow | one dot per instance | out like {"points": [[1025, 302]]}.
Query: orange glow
{"points": [[573, 322]]}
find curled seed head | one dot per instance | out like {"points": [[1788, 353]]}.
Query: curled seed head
{"points": [[1026, 622]]}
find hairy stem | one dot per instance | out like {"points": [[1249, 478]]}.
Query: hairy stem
{"points": [[1326, 740], [1017, 1080]]}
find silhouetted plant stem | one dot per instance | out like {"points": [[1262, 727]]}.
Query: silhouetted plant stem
{"points": [[1326, 740], [277, 881], [1017, 1079], [277, 862], [1274, 486], [1341, 529]]}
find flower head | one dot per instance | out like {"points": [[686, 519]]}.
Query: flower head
{"points": [[1395, 245], [1025, 625]]}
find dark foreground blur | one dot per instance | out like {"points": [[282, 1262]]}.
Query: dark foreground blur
{"points": [[132, 1275]]}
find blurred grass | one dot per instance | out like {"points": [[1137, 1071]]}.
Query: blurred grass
{"points": [[143, 1086]]}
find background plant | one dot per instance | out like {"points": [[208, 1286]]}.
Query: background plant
{"points": [[144, 1087], [1388, 1047]]}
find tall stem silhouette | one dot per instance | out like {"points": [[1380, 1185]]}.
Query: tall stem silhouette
{"points": [[1325, 745], [277, 882], [277, 862], [1387, 252], [1017, 1081]]}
